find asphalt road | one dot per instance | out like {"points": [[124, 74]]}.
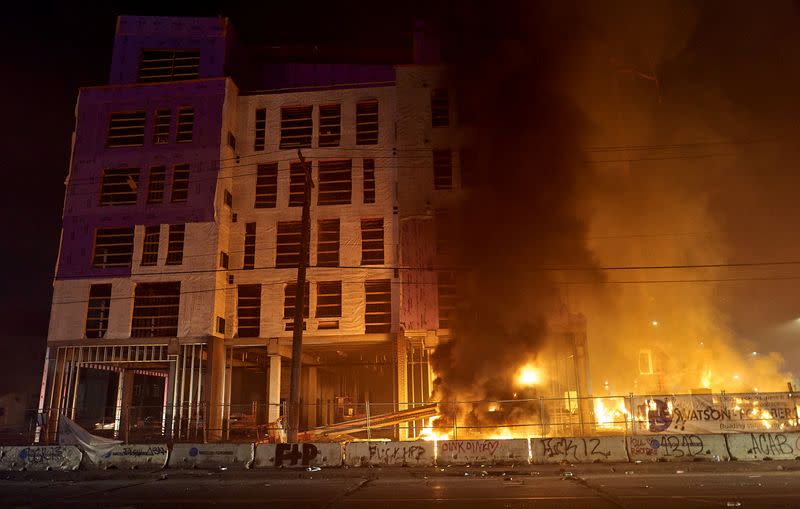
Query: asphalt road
{"points": [[751, 485]]}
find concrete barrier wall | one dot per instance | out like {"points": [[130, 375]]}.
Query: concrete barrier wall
{"points": [[482, 452], [677, 448], [131, 456], [390, 454], [758, 446], [33, 458], [211, 455], [579, 449], [298, 455]]}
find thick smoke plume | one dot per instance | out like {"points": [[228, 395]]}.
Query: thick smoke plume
{"points": [[508, 67], [621, 134]]}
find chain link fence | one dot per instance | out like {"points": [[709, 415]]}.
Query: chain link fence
{"points": [[340, 419]]}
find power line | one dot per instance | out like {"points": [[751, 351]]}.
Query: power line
{"points": [[337, 153], [450, 269], [232, 288]]}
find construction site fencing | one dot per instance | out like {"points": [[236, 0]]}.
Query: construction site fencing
{"points": [[342, 420]]}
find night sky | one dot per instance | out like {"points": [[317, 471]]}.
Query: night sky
{"points": [[727, 71]]}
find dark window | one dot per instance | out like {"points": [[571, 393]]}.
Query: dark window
{"points": [[180, 184], [442, 169], [266, 186], [440, 108], [288, 244], [155, 185], [249, 246], [185, 125], [161, 127], [296, 127], [328, 243], [177, 233], [126, 129], [227, 198], [261, 129], [248, 309], [113, 247], [155, 310], [329, 299], [224, 260], [168, 65], [289, 296], [120, 186], [367, 123], [330, 125], [150, 245], [220, 325], [444, 232], [231, 141], [97, 314], [378, 309], [335, 182], [369, 181], [297, 184], [372, 241], [446, 287], [469, 165]]}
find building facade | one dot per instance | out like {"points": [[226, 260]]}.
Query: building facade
{"points": [[173, 298], [174, 288]]}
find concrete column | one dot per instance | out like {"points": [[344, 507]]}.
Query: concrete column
{"points": [[311, 396], [216, 388], [274, 389], [226, 415], [169, 402], [401, 348], [124, 400], [56, 392]]}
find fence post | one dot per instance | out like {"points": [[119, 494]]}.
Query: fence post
{"points": [[541, 416], [455, 420], [632, 413], [369, 432]]}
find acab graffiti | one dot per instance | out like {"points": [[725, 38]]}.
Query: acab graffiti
{"points": [[771, 444], [667, 445]]}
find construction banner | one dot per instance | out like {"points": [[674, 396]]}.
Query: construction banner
{"points": [[93, 447], [715, 413]]}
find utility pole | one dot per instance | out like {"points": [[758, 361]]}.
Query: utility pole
{"points": [[299, 304]]}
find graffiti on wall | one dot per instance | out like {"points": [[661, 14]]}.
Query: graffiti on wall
{"points": [[42, 454], [575, 449], [773, 444], [677, 446], [474, 447], [395, 453], [295, 454]]}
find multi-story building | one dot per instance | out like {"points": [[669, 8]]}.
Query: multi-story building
{"points": [[173, 293], [174, 289]]}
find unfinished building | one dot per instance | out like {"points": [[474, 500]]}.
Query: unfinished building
{"points": [[174, 290]]}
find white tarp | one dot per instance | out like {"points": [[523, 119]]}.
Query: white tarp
{"points": [[715, 413], [93, 447]]}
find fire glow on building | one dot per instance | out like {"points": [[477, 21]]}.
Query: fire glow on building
{"points": [[174, 293]]}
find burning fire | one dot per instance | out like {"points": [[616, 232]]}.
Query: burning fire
{"points": [[501, 434], [528, 375], [705, 379], [429, 434], [611, 413]]}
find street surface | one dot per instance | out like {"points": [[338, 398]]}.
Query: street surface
{"points": [[769, 484]]}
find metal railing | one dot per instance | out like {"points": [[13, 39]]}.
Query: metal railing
{"points": [[515, 418]]}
